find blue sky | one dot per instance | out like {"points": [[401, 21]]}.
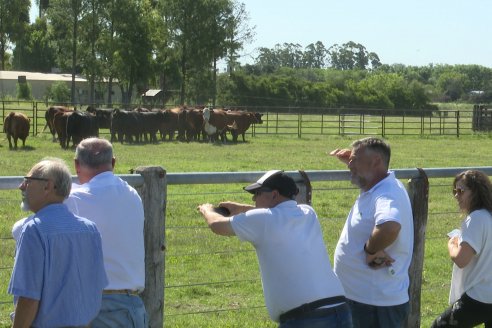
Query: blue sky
{"points": [[417, 32]]}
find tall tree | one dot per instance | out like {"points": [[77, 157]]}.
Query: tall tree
{"points": [[35, 52], [238, 34], [90, 32], [188, 36], [315, 55], [219, 14], [65, 16], [132, 46], [14, 20], [351, 55], [108, 44]]}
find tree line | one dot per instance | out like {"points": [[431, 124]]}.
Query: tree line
{"points": [[176, 46]]}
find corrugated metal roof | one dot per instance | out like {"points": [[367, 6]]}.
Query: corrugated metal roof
{"points": [[32, 76], [151, 92]]}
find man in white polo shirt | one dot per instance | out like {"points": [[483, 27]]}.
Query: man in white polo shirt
{"points": [[117, 210], [375, 248], [300, 288]]}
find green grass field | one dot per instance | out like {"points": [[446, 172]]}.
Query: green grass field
{"points": [[213, 281]]}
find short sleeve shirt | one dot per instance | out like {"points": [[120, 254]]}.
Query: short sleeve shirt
{"points": [[475, 278], [386, 201], [59, 263]]}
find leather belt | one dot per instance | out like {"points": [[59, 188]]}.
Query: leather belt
{"points": [[307, 308], [120, 291]]}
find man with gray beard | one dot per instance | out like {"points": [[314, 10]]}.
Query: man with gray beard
{"points": [[58, 273], [375, 248]]}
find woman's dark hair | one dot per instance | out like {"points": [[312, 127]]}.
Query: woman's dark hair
{"points": [[480, 187]]}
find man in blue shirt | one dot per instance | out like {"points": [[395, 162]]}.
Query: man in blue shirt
{"points": [[58, 275]]}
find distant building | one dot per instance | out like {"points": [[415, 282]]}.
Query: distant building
{"points": [[40, 82], [153, 97]]}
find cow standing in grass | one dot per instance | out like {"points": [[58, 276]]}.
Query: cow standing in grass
{"points": [[60, 126], [172, 124], [103, 116], [81, 125], [215, 124], [242, 120], [16, 126], [50, 118]]}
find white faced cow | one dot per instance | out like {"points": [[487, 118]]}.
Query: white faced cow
{"points": [[215, 124]]}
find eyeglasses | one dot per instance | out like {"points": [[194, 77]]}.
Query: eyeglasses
{"points": [[459, 190], [262, 190], [28, 179]]}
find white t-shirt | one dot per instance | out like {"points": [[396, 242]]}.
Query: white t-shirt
{"points": [[475, 278], [386, 201], [116, 209], [294, 265], [17, 228]]}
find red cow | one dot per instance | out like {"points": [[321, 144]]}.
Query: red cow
{"points": [[16, 126], [60, 126], [194, 123], [50, 117], [242, 121], [173, 124]]}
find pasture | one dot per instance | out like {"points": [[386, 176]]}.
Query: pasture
{"points": [[213, 281]]}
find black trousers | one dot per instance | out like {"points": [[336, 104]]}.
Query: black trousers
{"points": [[465, 312]]}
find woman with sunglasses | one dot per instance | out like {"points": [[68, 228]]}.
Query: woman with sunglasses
{"points": [[470, 297]]}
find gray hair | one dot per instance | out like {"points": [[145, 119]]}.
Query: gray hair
{"points": [[94, 152], [375, 145], [57, 170]]}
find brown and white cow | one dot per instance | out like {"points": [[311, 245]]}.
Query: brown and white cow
{"points": [[242, 120], [215, 124], [16, 126]]}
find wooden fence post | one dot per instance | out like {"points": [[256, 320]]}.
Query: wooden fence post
{"points": [[418, 191], [305, 190], [153, 194]]}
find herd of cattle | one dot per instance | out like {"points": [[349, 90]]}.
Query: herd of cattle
{"points": [[135, 126]]}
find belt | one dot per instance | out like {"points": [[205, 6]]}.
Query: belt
{"points": [[307, 308], [120, 291]]}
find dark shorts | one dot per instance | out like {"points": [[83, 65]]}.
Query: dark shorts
{"points": [[333, 317]]}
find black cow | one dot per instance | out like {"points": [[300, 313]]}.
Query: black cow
{"points": [[125, 125], [81, 125], [151, 122], [103, 116]]}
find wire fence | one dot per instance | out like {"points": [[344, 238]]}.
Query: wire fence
{"points": [[208, 276], [181, 259], [309, 121]]}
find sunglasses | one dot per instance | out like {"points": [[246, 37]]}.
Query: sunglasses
{"points": [[459, 190]]}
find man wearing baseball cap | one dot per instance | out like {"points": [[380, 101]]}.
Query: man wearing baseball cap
{"points": [[299, 285]]}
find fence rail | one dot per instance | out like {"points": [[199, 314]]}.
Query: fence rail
{"points": [[152, 182], [329, 121]]}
